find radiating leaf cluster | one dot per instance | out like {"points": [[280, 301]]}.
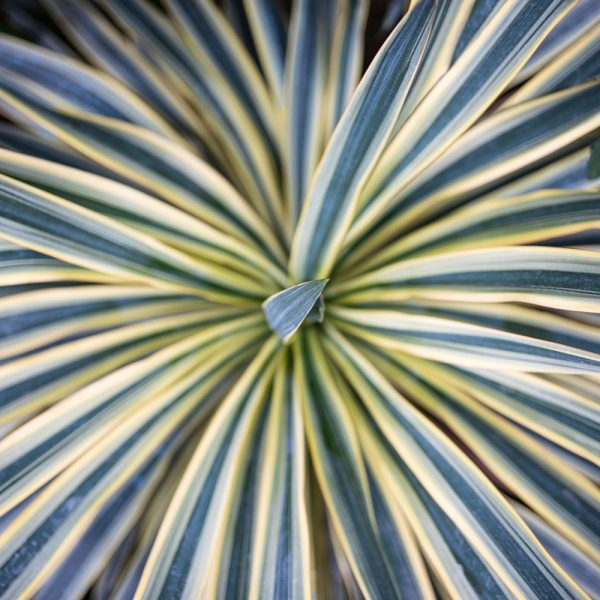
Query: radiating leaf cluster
{"points": [[300, 300]]}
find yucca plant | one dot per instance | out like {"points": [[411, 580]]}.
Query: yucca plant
{"points": [[277, 325]]}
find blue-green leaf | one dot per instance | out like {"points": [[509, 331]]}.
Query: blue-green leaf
{"points": [[355, 146], [287, 310]]}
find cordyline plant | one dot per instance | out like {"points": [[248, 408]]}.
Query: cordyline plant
{"points": [[276, 325]]}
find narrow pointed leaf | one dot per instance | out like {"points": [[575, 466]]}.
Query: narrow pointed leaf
{"points": [[463, 344], [507, 143], [246, 156], [188, 549], [212, 39], [168, 169], [78, 84], [521, 320], [471, 85], [467, 497], [268, 33], [77, 235], [103, 45], [355, 146], [31, 548], [514, 457], [304, 96], [347, 56], [584, 16], [139, 210], [448, 23], [49, 442], [459, 568], [281, 552], [583, 570], [489, 222], [287, 310], [577, 64], [554, 277], [340, 469]]}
